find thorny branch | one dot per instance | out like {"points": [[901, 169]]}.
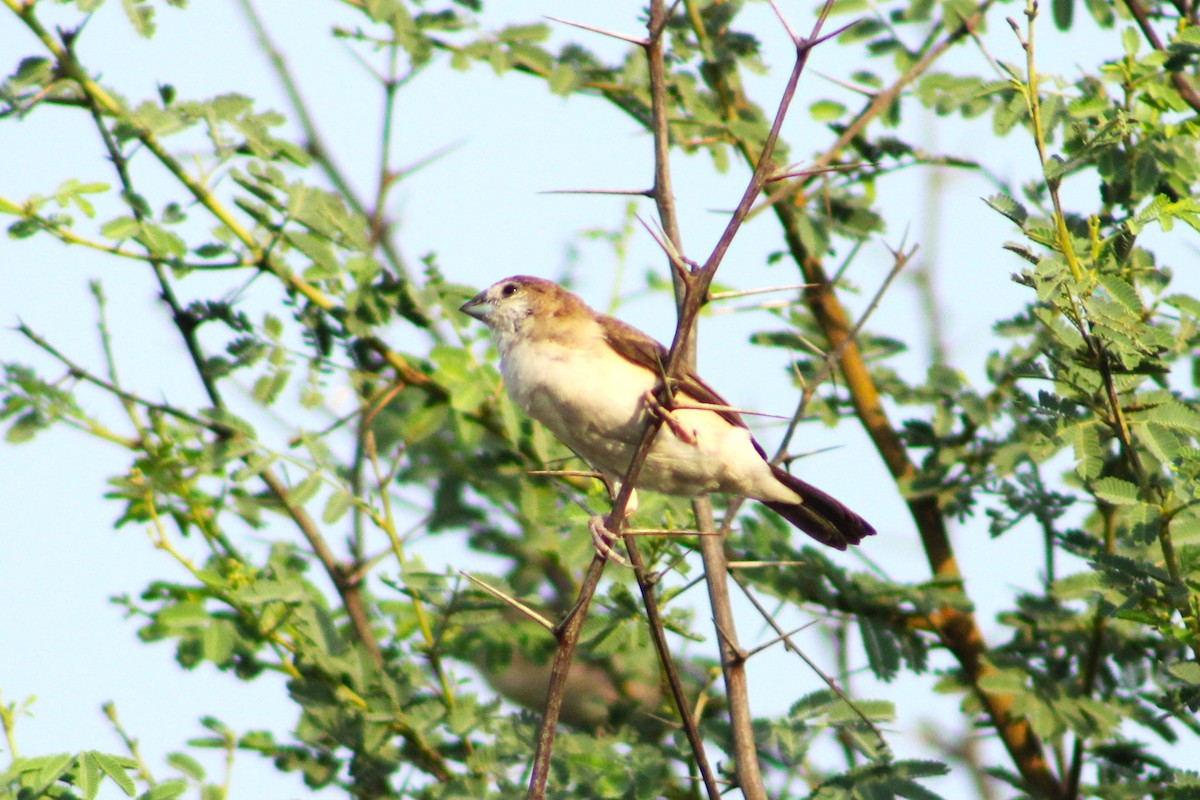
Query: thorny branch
{"points": [[957, 629], [691, 291]]}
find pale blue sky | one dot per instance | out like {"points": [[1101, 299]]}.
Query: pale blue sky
{"points": [[480, 210]]}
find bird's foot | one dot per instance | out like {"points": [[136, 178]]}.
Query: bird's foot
{"points": [[603, 539], [685, 435]]}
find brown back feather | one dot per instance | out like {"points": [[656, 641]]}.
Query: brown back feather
{"points": [[639, 348]]}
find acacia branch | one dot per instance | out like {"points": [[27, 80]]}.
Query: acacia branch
{"points": [[1178, 79], [568, 640], [615, 521], [879, 103], [691, 292], [957, 629]]}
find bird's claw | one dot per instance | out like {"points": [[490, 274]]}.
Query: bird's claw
{"points": [[603, 540], [668, 417]]}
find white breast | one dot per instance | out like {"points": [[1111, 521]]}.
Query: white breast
{"points": [[593, 400], [589, 397]]}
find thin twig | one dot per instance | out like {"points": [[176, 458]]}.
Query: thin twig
{"points": [[899, 260], [567, 634], [1178, 79], [659, 637], [786, 638], [602, 31], [509, 600]]}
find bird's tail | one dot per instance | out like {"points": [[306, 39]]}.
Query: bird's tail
{"points": [[819, 515]]}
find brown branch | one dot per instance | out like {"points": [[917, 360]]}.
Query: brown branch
{"points": [[347, 589], [690, 295], [568, 640], [1180, 82], [957, 629], [664, 201], [659, 637], [733, 661], [691, 291], [879, 103], [786, 638], [614, 523], [1091, 663]]}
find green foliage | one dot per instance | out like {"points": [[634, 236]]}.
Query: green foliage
{"points": [[1086, 429]]}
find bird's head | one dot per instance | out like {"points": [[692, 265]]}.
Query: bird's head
{"points": [[526, 307]]}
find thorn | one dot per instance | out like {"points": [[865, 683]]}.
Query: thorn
{"points": [[602, 31], [783, 20], [720, 409], [804, 173], [678, 262], [714, 296], [566, 473], [810, 44], [510, 601], [783, 637], [625, 192], [848, 86], [739, 655]]}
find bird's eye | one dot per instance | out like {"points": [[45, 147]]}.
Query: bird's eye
{"points": [[509, 290]]}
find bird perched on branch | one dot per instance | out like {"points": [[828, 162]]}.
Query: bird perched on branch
{"points": [[591, 380]]}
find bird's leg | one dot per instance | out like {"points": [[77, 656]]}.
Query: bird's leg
{"points": [[602, 538], [668, 417]]}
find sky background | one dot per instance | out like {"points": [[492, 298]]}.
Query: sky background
{"points": [[482, 210]]}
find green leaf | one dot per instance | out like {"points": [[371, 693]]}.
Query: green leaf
{"points": [[24, 228], [1009, 208], [457, 371], [826, 110], [1186, 671], [120, 228], [50, 769], [25, 427], [1116, 491], [167, 790], [1163, 442], [88, 777], [141, 16], [1089, 455], [306, 490], [562, 80], [1120, 290], [1174, 414], [187, 765], [1183, 302], [1064, 12], [160, 242], [1055, 169], [268, 387], [336, 507], [217, 642], [117, 768], [538, 32], [1131, 40], [33, 71]]}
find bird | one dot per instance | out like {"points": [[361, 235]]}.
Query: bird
{"points": [[591, 380]]}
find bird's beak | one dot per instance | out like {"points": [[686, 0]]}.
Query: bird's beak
{"points": [[477, 307]]}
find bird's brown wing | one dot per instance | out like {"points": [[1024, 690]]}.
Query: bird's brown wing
{"points": [[643, 350], [819, 515]]}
